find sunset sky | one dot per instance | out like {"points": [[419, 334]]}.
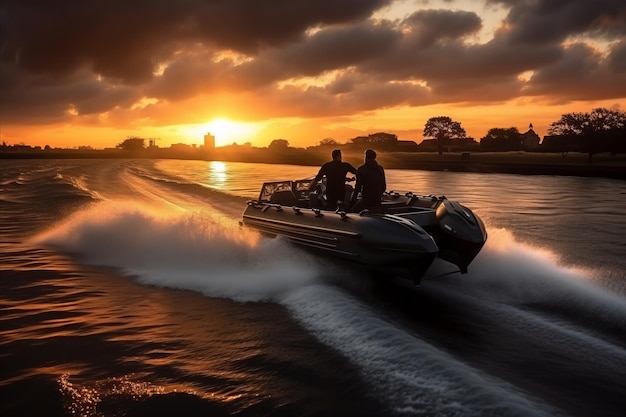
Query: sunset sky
{"points": [[93, 72]]}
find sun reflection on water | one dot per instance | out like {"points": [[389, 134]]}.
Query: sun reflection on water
{"points": [[218, 174], [84, 400]]}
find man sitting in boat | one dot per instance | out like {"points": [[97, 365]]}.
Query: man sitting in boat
{"points": [[371, 183], [335, 172]]}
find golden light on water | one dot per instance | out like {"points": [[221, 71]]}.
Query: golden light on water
{"points": [[217, 173]]}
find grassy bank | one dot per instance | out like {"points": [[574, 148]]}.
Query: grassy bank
{"points": [[524, 163], [604, 165]]}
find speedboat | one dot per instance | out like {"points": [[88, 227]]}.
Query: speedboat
{"points": [[404, 239]]}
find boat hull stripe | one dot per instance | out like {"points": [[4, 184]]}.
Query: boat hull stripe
{"points": [[279, 223]]}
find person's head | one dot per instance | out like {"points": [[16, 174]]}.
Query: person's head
{"points": [[370, 155], [336, 155]]}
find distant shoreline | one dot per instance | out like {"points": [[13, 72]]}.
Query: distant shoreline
{"points": [[523, 163]]}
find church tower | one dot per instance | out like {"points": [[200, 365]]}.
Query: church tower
{"points": [[530, 139]]}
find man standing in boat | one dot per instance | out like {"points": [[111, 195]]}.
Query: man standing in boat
{"points": [[371, 183], [335, 172]]}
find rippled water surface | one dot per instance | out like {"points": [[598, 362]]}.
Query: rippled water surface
{"points": [[128, 288]]}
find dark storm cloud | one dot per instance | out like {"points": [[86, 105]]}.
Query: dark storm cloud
{"points": [[41, 98], [371, 94], [578, 71], [92, 56], [116, 39], [430, 50], [580, 75], [453, 69], [430, 26], [191, 73], [123, 39], [434, 49], [330, 49], [542, 21], [617, 59], [246, 25]]}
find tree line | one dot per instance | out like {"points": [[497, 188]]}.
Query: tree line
{"points": [[601, 130]]}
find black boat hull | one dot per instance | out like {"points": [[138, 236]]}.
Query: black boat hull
{"points": [[404, 241]]}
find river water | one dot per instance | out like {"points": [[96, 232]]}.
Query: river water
{"points": [[128, 288]]}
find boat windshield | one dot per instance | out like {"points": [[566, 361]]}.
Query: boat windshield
{"points": [[301, 185], [270, 188]]}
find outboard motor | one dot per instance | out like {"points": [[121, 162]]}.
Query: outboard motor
{"points": [[461, 234]]}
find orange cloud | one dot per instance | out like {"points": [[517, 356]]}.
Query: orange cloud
{"points": [[301, 70]]}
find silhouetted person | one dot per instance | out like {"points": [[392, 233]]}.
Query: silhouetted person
{"points": [[335, 172], [371, 183]]}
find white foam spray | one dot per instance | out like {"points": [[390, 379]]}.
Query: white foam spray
{"points": [[193, 251], [520, 285], [182, 250], [514, 273], [413, 376]]}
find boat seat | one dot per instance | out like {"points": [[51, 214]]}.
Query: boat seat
{"points": [[284, 198]]}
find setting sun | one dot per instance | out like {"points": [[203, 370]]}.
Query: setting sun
{"points": [[336, 73], [222, 129], [225, 131], [297, 207]]}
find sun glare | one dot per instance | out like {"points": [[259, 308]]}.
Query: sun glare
{"points": [[226, 131], [217, 173], [222, 129]]}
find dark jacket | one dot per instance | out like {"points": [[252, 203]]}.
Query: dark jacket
{"points": [[335, 172], [370, 181]]}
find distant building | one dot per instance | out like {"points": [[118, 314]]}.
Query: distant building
{"points": [[428, 145], [209, 142], [562, 143], [180, 147], [453, 145], [379, 141], [382, 137], [530, 140], [407, 146]]}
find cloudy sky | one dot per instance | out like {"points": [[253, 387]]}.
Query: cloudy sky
{"points": [[93, 72]]}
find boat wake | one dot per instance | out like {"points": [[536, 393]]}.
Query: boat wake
{"points": [[183, 250], [530, 278], [524, 287], [414, 376]]}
